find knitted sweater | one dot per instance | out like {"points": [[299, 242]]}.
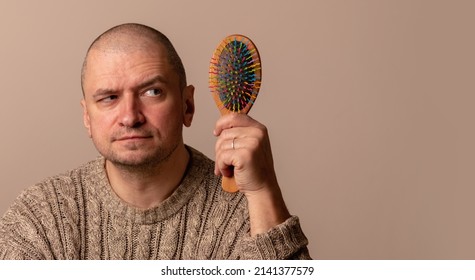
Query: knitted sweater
{"points": [[78, 216]]}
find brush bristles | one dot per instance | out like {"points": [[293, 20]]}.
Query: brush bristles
{"points": [[235, 73]]}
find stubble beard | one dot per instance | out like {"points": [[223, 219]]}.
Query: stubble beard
{"points": [[145, 164], [151, 161]]}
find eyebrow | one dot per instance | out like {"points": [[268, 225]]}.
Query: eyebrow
{"points": [[148, 82], [102, 92], [151, 81]]}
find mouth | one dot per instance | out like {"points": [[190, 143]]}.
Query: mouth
{"points": [[133, 137]]}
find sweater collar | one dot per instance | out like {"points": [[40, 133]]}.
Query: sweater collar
{"points": [[192, 179]]}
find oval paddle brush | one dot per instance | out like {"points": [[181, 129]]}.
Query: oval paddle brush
{"points": [[235, 80]]}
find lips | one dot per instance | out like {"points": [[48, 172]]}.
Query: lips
{"points": [[132, 137]]}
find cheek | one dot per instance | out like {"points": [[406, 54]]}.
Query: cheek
{"points": [[163, 118], [166, 117], [100, 125]]}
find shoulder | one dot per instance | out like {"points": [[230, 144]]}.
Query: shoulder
{"points": [[64, 185], [209, 188], [43, 219], [39, 215], [47, 197], [200, 160], [200, 171]]}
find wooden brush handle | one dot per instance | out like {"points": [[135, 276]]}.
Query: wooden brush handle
{"points": [[229, 184]]}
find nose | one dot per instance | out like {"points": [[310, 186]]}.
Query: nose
{"points": [[131, 112]]}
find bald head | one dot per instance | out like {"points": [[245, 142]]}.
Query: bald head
{"points": [[132, 37]]}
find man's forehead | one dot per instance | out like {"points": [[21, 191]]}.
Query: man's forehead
{"points": [[126, 46], [123, 58], [112, 68], [126, 64]]}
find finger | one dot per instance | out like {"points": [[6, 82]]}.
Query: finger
{"points": [[222, 161], [225, 161], [228, 153], [235, 152], [221, 145], [236, 146], [234, 120], [239, 132]]}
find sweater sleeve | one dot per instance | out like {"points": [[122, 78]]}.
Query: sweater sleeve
{"points": [[283, 242]]}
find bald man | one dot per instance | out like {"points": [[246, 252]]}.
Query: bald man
{"points": [[150, 196]]}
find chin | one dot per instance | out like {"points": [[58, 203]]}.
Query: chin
{"points": [[140, 159]]}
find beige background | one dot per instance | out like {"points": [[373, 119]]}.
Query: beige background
{"points": [[369, 105]]}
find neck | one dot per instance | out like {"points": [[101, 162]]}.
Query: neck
{"points": [[145, 188]]}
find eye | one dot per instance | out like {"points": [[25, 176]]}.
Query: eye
{"points": [[153, 92], [108, 98]]}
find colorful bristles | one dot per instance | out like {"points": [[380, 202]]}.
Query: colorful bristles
{"points": [[235, 74]]}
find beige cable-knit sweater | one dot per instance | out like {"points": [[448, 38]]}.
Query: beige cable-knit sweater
{"points": [[78, 216]]}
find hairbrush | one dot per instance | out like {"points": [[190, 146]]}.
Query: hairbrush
{"points": [[234, 80]]}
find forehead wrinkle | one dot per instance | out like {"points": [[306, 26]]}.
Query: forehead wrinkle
{"points": [[156, 54], [155, 79], [119, 77]]}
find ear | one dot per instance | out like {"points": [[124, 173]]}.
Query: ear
{"points": [[188, 105], [86, 119]]}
